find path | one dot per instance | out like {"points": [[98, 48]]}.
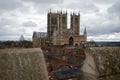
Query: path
{"points": [[89, 68]]}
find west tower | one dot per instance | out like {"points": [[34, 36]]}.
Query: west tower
{"points": [[75, 22], [56, 22]]}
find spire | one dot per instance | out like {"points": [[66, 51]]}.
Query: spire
{"points": [[61, 11], [21, 38], [85, 32], [73, 13], [79, 13], [50, 10], [66, 11]]}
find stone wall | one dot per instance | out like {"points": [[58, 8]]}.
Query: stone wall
{"points": [[22, 64], [107, 60]]}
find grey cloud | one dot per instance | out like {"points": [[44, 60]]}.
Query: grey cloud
{"points": [[45, 1], [106, 37], [8, 31], [3, 33], [115, 9], [4, 22], [102, 29], [9, 4], [41, 6], [104, 1], [102, 26], [6, 28], [29, 24], [43, 29], [84, 6], [22, 30]]}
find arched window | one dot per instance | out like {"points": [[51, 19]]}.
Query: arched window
{"points": [[76, 45], [54, 20], [71, 41], [63, 20]]}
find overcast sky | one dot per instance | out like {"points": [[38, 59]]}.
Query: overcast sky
{"points": [[100, 17]]}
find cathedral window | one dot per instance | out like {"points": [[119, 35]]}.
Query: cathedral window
{"points": [[54, 20], [76, 20], [63, 20]]}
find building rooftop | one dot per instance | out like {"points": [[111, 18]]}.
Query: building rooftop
{"points": [[41, 34]]}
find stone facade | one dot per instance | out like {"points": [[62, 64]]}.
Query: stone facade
{"points": [[39, 39], [59, 34]]}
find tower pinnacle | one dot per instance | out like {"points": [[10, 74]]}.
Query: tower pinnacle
{"points": [[85, 32]]}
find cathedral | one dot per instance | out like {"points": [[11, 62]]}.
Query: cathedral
{"points": [[58, 33]]}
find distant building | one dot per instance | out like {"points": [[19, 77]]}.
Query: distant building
{"points": [[91, 44], [21, 38], [39, 38], [58, 33]]}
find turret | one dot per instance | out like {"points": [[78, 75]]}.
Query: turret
{"points": [[85, 32]]}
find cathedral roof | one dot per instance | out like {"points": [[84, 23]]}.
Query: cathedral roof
{"points": [[40, 34]]}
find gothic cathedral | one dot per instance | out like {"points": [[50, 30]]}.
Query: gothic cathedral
{"points": [[58, 33]]}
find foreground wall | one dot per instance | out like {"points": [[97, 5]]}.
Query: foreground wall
{"points": [[107, 60], [22, 64]]}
